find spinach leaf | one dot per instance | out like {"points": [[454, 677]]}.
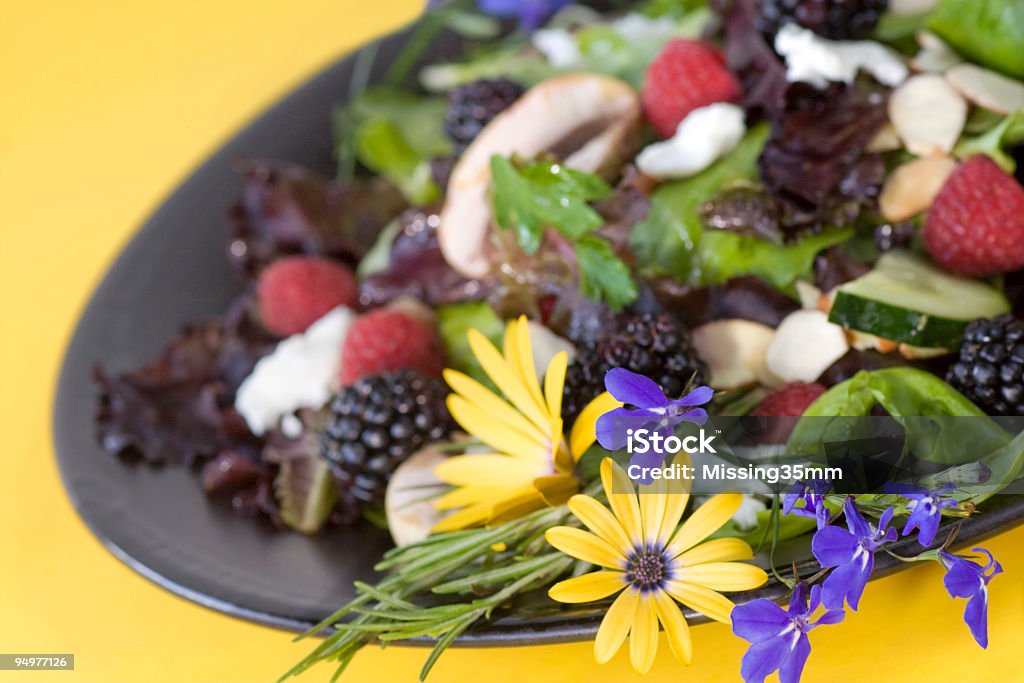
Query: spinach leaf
{"points": [[993, 142], [989, 32]]}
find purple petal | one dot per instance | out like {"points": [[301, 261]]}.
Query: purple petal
{"points": [[612, 427], [855, 522], [798, 600], [964, 578], [833, 546], [793, 667], [907, 490], [832, 616], [763, 658], [697, 416], [651, 459], [976, 617], [697, 397], [815, 599], [886, 517], [927, 522], [759, 620], [846, 583], [630, 387]]}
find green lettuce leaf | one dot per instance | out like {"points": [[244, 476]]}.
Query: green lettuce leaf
{"points": [[454, 320], [989, 32], [603, 275], [722, 255], [381, 148]]}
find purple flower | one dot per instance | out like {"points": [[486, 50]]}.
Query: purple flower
{"points": [[530, 13], [925, 508], [652, 409], [812, 493], [851, 552], [966, 578], [778, 637]]}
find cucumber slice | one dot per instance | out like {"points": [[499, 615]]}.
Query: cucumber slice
{"points": [[908, 300]]}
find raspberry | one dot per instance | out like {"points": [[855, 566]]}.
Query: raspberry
{"points": [[975, 226], [686, 75], [388, 339], [296, 291], [789, 401]]}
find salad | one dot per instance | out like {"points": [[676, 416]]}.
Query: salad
{"points": [[675, 211]]}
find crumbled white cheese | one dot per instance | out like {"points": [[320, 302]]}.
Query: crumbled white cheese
{"points": [[301, 372], [558, 45], [546, 345], [816, 60], [703, 137]]}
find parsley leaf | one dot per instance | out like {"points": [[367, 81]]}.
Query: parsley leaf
{"points": [[532, 196], [538, 194], [603, 275]]}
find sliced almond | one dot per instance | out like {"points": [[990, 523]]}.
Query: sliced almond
{"points": [[935, 55], [804, 346], [410, 512], [592, 121], [885, 140], [862, 341], [928, 114], [808, 294], [987, 88], [734, 351], [921, 353], [912, 186]]}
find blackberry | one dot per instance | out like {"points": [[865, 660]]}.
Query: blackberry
{"points": [[378, 422], [834, 19], [474, 105], [990, 366], [657, 346]]}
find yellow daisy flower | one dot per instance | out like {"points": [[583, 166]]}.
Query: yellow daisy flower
{"points": [[531, 464], [651, 564]]}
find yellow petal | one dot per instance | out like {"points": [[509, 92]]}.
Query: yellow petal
{"points": [[472, 516], [497, 434], [588, 587], [556, 489], [468, 495], [598, 519], [654, 502], [486, 400], [585, 546], [643, 639], [487, 469], [618, 487], [514, 505], [703, 600], [717, 550], [519, 351], [554, 382], [507, 379], [584, 432], [677, 631], [705, 520], [615, 625], [725, 576]]}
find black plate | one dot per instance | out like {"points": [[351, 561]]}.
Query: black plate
{"points": [[157, 520]]}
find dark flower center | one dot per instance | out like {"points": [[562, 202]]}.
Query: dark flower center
{"points": [[647, 569]]}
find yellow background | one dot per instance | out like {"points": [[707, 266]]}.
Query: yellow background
{"points": [[104, 108]]}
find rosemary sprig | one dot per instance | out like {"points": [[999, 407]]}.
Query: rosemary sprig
{"points": [[467, 567]]}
